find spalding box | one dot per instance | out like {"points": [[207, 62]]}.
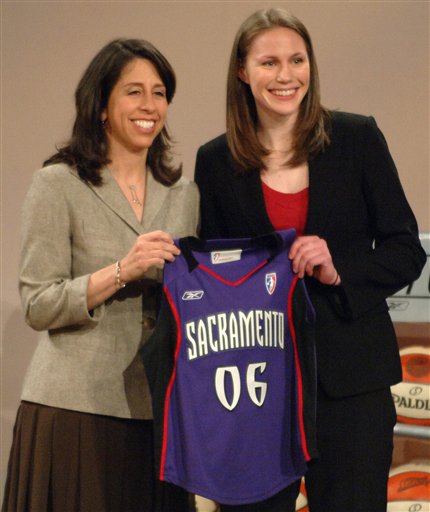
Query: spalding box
{"points": [[409, 488], [412, 395]]}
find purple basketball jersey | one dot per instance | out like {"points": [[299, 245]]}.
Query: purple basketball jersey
{"points": [[231, 366]]}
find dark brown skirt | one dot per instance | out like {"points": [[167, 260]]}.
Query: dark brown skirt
{"points": [[68, 461]]}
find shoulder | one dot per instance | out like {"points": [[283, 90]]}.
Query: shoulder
{"points": [[55, 180], [52, 189], [348, 120], [213, 158], [56, 171], [55, 174], [216, 145], [350, 130], [185, 186]]}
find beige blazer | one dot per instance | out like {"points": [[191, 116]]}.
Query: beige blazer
{"points": [[70, 229]]}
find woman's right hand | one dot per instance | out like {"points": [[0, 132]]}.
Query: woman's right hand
{"points": [[311, 256], [150, 250]]}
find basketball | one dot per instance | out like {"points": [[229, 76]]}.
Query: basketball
{"points": [[412, 395], [302, 502], [409, 488]]}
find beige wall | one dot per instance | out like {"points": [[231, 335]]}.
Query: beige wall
{"points": [[373, 59]]}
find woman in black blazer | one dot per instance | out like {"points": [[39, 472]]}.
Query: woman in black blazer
{"points": [[285, 161]]}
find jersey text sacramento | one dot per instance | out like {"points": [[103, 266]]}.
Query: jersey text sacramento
{"points": [[234, 330]]}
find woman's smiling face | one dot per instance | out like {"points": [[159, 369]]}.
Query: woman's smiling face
{"points": [[277, 70], [137, 108]]}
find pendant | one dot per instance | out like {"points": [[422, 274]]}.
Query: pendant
{"points": [[134, 198]]}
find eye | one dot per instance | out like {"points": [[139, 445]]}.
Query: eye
{"points": [[132, 92], [269, 63], [298, 60], [160, 92]]}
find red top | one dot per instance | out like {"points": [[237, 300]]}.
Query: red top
{"points": [[287, 211]]}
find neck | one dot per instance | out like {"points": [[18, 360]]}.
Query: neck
{"points": [[276, 131], [277, 139], [130, 169]]}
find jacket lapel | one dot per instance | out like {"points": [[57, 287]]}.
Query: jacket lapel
{"points": [[155, 196], [113, 198], [249, 196]]}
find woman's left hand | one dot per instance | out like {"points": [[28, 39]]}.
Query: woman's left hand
{"points": [[310, 255]]}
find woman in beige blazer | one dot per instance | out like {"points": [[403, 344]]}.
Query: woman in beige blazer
{"points": [[98, 226]]}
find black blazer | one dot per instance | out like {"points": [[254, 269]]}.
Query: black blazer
{"points": [[357, 204]]}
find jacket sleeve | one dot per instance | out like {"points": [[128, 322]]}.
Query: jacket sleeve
{"points": [[51, 297], [397, 257]]}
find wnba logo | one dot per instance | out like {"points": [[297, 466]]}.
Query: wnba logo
{"points": [[271, 282]]}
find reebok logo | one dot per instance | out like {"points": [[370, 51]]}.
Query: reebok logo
{"points": [[193, 295]]}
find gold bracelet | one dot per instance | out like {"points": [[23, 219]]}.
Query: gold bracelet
{"points": [[118, 281]]}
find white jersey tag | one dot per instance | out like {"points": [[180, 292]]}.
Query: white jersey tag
{"points": [[226, 256]]}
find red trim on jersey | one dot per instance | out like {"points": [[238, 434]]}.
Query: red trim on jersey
{"points": [[171, 382], [230, 283], [299, 372]]}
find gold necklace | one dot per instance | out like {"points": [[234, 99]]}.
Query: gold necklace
{"points": [[134, 198]]}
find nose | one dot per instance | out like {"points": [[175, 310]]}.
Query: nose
{"points": [[147, 103], [283, 73]]}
